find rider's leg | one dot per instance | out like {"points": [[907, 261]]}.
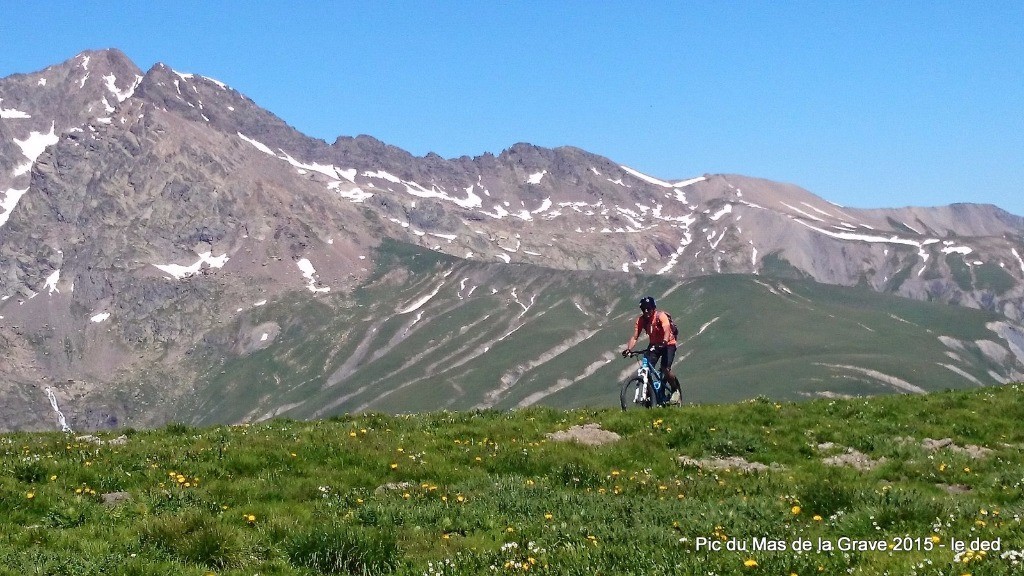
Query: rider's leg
{"points": [[666, 368]]}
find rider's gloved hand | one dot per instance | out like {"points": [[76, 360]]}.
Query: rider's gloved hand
{"points": [[625, 352]]}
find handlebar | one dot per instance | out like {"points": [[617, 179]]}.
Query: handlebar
{"points": [[633, 353]]}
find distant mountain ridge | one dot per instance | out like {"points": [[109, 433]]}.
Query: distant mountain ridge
{"points": [[140, 212]]}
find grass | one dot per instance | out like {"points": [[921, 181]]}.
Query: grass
{"points": [[992, 276], [487, 492]]}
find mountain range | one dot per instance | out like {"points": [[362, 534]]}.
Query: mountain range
{"points": [[169, 250]]}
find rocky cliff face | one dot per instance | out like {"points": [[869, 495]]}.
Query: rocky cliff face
{"points": [[140, 211]]}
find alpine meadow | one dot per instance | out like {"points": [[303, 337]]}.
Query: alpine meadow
{"points": [[896, 484]]}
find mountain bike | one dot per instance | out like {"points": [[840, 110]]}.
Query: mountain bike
{"points": [[646, 389]]}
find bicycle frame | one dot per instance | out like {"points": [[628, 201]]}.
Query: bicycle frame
{"points": [[645, 372]]}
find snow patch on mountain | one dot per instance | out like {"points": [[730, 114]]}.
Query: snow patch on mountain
{"points": [[33, 146], [879, 239], [646, 178], [326, 169], [725, 210], [51, 282], [11, 112], [178, 271], [685, 241], [355, 194], [818, 210], [544, 206], [8, 203], [915, 230], [418, 190], [685, 183], [121, 95], [381, 174], [950, 249], [309, 273], [498, 214], [259, 145], [801, 212]]}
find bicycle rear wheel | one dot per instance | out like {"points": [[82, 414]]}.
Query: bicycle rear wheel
{"points": [[633, 392]]}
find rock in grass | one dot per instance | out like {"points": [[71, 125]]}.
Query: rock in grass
{"points": [[588, 435], [114, 498], [854, 459], [731, 463]]}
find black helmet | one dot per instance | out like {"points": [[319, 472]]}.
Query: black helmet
{"points": [[647, 303]]}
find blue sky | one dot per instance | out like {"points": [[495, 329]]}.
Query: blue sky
{"points": [[867, 104]]}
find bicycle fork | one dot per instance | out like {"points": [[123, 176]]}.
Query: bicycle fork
{"points": [[640, 395]]}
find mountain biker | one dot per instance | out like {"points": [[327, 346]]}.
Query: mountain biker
{"points": [[658, 327]]}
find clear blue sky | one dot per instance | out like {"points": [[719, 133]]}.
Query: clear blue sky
{"points": [[867, 104]]}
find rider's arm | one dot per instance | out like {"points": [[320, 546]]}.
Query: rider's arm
{"points": [[636, 335]]}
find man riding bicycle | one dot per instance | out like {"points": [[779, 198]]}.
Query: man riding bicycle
{"points": [[658, 327]]}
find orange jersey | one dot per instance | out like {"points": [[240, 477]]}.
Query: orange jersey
{"points": [[658, 329]]}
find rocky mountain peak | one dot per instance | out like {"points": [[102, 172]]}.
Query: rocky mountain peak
{"points": [[367, 152]]}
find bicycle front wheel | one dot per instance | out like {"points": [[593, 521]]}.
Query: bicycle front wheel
{"points": [[633, 394]]}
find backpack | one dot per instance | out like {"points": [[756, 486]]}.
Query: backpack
{"points": [[671, 324]]}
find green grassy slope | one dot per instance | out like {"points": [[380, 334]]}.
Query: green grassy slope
{"points": [[430, 331], [488, 492]]}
